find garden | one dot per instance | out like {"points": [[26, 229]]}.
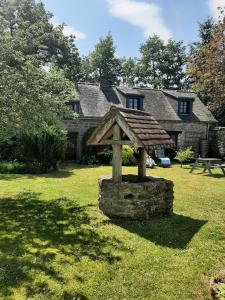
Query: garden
{"points": [[56, 244]]}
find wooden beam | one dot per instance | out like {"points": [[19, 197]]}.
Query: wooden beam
{"points": [[101, 130], [142, 163], [108, 135], [128, 131], [117, 151], [119, 142]]}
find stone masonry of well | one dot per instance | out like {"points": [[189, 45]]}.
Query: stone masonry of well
{"points": [[136, 199]]}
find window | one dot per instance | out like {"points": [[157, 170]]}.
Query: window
{"points": [[184, 107], [133, 103], [70, 106], [75, 106]]}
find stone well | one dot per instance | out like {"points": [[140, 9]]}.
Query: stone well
{"points": [[130, 196], [136, 198]]}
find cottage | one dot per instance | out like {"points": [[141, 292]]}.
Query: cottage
{"points": [[185, 118]]}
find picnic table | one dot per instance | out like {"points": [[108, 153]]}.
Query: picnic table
{"points": [[208, 164]]}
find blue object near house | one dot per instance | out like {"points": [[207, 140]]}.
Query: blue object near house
{"points": [[162, 160], [165, 162]]}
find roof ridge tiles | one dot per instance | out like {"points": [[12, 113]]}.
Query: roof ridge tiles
{"points": [[139, 87], [132, 111]]}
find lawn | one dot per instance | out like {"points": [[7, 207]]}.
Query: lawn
{"points": [[55, 244]]}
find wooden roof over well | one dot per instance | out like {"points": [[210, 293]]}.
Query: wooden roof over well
{"points": [[139, 128]]}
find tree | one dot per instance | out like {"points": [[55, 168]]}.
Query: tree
{"points": [[66, 55], [32, 97], [205, 31], [128, 71], [172, 66], [205, 35], [28, 30], [102, 66], [162, 65], [86, 70], [151, 60], [206, 68]]}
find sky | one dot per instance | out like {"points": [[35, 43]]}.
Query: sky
{"points": [[131, 21]]}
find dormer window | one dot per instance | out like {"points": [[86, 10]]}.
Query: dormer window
{"points": [[77, 107], [133, 103], [184, 107], [74, 106]]}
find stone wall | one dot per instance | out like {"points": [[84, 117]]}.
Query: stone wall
{"points": [[217, 142], [81, 127], [191, 133], [135, 199]]}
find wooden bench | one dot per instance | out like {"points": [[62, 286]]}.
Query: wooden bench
{"points": [[218, 166], [208, 164], [195, 165]]}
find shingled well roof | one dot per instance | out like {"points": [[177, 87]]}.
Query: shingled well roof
{"points": [[140, 127], [147, 129]]}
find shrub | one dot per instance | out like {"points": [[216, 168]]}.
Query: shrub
{"points": [[44, 149], [128, 158], [17, 168], [89, 160], [105, 156], [185, 155], [41, 150], [10, 149]]}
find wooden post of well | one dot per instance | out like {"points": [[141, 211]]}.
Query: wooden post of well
{"points": [[142, 163], [117, 159]]}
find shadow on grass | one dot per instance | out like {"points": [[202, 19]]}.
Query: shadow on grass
{"points": [[62, 173], [45, 237], [77, 296], [215, 175], [175, 231], [66, 170], [200, 171]]}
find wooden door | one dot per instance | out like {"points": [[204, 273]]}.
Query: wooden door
{"points": [[71, 149]]}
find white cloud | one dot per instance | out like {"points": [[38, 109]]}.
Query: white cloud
{"points": [[68, 30], [146, 16], [213, 5]]}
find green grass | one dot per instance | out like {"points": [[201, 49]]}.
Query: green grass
{"points": [[55, 244]]}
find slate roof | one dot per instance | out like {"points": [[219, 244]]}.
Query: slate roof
{"points": [[95, 102], [161, 104], [147, 131], [129, 91], [180, 94]]}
